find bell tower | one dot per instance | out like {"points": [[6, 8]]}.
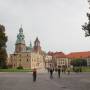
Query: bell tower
{"points": [[20, 42], [37, 47]]}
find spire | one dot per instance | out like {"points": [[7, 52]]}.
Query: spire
{"points": [[37, 47], [30, 45], [21, 25], [37, 39], [20, 36], [20, 42], [29, 48], [21, 29], [37, 42]]}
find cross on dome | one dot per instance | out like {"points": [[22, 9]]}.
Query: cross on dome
{"points": [[21, 29]]}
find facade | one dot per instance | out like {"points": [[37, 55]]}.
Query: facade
{"points": [[33, 56], [80, 55], [27, 60], [26, 56], [48, 61], [59, 59]]}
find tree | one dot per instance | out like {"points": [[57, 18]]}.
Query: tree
{"points": [[86, 26], [3, 52], [79, 62]]}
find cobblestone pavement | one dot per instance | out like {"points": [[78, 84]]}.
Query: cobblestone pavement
{"points": [[23, 81]]}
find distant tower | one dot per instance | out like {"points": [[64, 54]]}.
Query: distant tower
{"points": [[20, 42], [29, 48], [37, 47]]}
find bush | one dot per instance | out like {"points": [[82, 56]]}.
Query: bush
{"points": [[78, 62], [19, 67], [4, 67], [77, 69]]}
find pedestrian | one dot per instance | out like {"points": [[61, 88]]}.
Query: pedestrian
{"points": [[51, 73], [59, 71], [34, 74], [68, 69]]}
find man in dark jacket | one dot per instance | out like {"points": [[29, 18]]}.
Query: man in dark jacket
{"points": [[51, 73], [59, 71], [34, 74]]}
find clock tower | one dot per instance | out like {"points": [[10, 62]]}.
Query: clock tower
{"points": [[20, 42]]}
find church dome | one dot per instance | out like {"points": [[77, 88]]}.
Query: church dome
{"points": [[20, 37]]}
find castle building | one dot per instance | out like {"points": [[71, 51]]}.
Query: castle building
{"points": [[27, 56], [59, 59], [80, 55]]}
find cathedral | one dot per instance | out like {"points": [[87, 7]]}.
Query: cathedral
{"points": [[28, 57]]}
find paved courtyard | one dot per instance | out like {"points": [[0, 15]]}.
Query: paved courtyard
{"points": [[23, 81]]}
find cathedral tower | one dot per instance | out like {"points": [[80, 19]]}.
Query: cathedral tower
{"points": [[37, 47], [20, 42]]}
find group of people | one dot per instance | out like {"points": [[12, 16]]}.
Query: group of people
{"points": [[58, 70], [50, 70]]}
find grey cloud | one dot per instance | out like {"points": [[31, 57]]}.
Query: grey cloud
{"points": [[57, 23]]}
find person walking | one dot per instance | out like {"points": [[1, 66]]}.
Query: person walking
{"points": [[51, 72], [68, 69], [34, 74], [59, 71]]}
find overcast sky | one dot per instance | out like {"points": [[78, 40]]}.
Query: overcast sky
{"points": [[57, 23]]}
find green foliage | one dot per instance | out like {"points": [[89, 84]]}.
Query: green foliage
{"points": [[3, 38], [3, 53], [86, 69], [86, 26], [79, 62], [19, 67], [15, 70], [77, 69]]}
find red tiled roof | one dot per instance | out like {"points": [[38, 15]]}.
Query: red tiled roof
{"points": [[79, 54], [59, 55], [50, 53]]}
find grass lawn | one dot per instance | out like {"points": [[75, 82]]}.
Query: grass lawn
{"points": [[85, 69], [15, 70]]}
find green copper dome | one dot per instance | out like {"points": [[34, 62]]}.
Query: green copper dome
{"points": [[20, 37]]}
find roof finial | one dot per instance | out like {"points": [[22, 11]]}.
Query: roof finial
{"points": [[21, 25], [21, 29]]}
